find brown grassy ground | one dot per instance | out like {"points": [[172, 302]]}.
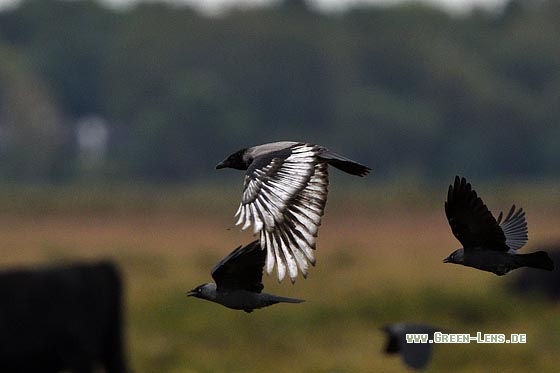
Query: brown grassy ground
{"points": [[374, 265]]}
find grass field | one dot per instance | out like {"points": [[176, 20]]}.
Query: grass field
{"points": [[378, 261]]}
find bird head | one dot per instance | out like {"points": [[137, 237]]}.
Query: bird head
{"points": [[204, 291], [237, 160], [394, 332], [456, 257]]}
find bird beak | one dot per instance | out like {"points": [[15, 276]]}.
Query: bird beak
{"points": [[446, 260], [191, 293]]}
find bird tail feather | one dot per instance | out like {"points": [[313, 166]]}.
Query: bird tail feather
{"points": [[278, 299], [539, 259], [344, 164]]}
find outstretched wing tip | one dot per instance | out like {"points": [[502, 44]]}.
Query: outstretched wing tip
{"points": [[515, 228], [470, 220], [284, 200]]}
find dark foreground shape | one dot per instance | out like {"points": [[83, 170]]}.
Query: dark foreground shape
{"points": [[63, 318], [239, 281], [489, 244], [415, 355]]}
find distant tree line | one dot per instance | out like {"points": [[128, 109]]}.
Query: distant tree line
{"points": [[159, 93]]}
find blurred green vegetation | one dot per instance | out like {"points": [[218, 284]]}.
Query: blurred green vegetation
{"points": [[376, 264], [408, 90], [362, 196], [413, 92]]}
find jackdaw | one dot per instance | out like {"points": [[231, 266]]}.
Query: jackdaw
{"points": [[488, 244], [238, 279], [415, 355], [284, 197]]}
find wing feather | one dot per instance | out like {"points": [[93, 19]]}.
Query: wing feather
{"points": [[242, 269], [295, 235], [515, 228], [275, 184], [284, 198], [470, 220]]}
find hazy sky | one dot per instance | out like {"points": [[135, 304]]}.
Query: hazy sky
{"points": [[215, 6]]}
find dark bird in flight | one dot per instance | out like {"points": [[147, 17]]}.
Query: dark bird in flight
{"points": [[415, 355], [284, 197], [488, 244], [238, 279]]}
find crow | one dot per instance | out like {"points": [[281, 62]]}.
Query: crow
{"points": [[239, 281], [488, 244], [284, 197], [415, 355]]}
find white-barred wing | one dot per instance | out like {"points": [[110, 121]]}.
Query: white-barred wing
{"points": [[515, 228], [284, 197], [285, 201]]}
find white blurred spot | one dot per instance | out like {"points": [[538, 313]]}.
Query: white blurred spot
{"points": [[92, 136]]}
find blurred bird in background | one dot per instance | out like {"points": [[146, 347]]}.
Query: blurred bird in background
{"points": [[415, 355]]}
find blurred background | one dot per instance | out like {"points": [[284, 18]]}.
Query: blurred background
{"points": [[114, 113]]}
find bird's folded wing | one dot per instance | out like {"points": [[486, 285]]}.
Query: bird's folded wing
{"points": [[515, 228], [269, 189], [470, 220]]}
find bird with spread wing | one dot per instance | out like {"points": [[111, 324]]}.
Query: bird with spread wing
{"points": [[489, 244], [284, 197]]}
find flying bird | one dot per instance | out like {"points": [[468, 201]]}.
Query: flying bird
{"points": [[284, 197], [488, 244], [238, 279], [415, 355]]}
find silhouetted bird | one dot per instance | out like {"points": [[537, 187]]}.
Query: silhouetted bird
{"points": [[284, 198], [415, 355], [488, 244], [239, 281]]}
